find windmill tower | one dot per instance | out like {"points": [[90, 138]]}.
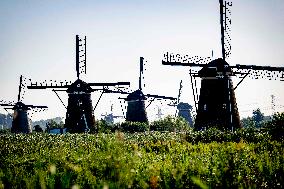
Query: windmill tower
{"points": [[136, 107], [79, 111], [217, 103], [109, 118], [183, 109], [136, 110], [20, 122]]}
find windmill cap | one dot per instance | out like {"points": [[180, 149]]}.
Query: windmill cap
{"points": [[20, 105], [215, 66], [136, 95], [79, 86], [184, 106]]}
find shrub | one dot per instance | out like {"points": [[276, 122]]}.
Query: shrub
{"points": [[103, 127], [170, 124], [5, 131], [275, 127], [132, 127]]}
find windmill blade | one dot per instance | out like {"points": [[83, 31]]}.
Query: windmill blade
{"points": [[7, 104], [259, 72], [47, 87], [20, 88], [140, 73], [106, 90], [160, 97], [109, 84], [49, 84], [8, 109], [225, 21], [32, 106], [255, 67], [185, 60], [81, 55]]}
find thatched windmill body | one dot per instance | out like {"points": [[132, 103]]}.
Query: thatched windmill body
{"points": [[79, 111], [136, 100], [217, 104], [136, 110], [20, 122]]}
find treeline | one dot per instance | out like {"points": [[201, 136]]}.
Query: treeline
{"points": [[272, 129], [254, 129], [6, 121]]}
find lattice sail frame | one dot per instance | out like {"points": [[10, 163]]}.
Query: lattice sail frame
{"points": [[227, 23], [240, 71]]}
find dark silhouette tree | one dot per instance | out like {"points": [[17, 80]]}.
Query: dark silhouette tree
{"points": [[257, 117], [37, 128]]}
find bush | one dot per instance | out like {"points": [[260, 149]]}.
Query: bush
{"points": [[140, 160], [5, 131], [252, 135], [170, 124], [103, 126], [275, 127], [133, 127]]}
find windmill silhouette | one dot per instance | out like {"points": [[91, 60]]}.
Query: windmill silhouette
{"points": [[109, 117], [217, 103], [20, 122], [80, 111], [183, 109], [136, 109]]}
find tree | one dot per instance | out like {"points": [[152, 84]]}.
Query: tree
{"points": [[257, 117], [248, 122], [37, 128], [275, 127], [54, 125]]}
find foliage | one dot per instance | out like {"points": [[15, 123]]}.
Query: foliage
{"points": [[141, 160], [37, 128], [103, 126], [167, 124], [275, 127], [43, 123], [54, 125], [257, 117], [170, 123], [133, 127], [214, 135], [248, 122], [257, 120], [5, 131], [6, 120]]}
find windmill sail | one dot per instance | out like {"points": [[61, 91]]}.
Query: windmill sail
{"points": [[225, 22], [81, 58]]}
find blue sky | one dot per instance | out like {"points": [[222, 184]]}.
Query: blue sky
{"points": [[38, 41]]}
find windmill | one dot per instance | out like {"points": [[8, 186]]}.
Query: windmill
{"points": [[183, 109], [80, 111], [136, 110], [20, 122], [217, 103], [109, 118]]}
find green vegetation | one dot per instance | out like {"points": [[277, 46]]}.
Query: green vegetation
{"points": [[170, 124], [140, 157], [141, 160]]}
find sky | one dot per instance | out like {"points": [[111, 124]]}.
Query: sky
{"points": [[38, 42]]}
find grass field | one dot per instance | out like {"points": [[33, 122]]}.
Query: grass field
{"points": [[145, 160]]}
